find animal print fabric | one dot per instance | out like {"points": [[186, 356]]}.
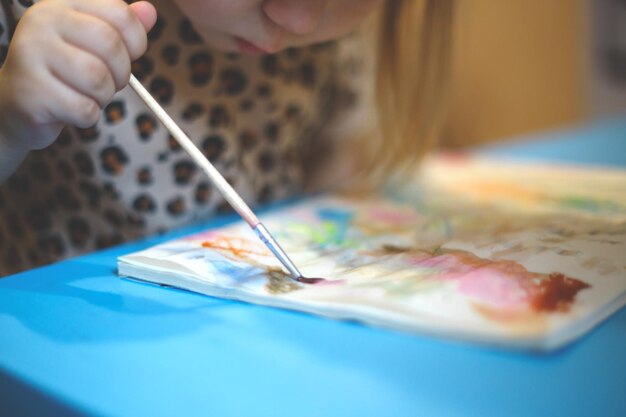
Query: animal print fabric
{"points": [[126, 177]]}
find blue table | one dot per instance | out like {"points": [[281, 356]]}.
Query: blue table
{"points": [[76, 340]]}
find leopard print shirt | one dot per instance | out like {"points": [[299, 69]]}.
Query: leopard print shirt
{"points": [[126, 177]]}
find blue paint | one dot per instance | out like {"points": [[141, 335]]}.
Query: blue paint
{"points": [[340, 219]]}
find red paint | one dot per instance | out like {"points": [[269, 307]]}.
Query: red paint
{"points": [[306, 280], [556, 293], [504, 285]]}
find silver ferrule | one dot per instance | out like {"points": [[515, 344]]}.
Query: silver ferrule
{"points": [[273, 245]]}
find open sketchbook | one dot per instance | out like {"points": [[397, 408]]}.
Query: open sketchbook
{"points": [[523, 256]]}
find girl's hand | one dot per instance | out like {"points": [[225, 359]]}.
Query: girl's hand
{"points": [[65, 62]]}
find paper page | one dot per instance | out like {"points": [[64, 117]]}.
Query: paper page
{"points": [[517, 255]]}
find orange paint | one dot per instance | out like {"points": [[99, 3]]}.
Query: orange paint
{"points": [[238, 249]]}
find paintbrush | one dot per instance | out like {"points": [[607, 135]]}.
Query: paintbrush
{"points": [[227, 191]]}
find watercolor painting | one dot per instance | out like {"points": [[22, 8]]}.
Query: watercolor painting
{"points": [[506, 254]]}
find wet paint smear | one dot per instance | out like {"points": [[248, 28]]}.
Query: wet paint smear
{"points": [[280, 282], [509, 285], [556, 293], [306, 280], [237, 249], [504, 285], [278, 278]]}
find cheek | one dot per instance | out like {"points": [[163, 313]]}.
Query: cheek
{"points": [[217, 13]]}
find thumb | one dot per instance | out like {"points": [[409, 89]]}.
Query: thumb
{"points": [[146, 13]]}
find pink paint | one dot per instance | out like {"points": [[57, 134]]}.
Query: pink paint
{"points": [[392, 216], [506, 286], [495, 288]]}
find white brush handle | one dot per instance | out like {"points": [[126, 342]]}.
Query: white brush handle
{"points": [[229, 193]]}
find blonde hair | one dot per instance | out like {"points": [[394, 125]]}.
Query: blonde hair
{"points": [[413, 48]]}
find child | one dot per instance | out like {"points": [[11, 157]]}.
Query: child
{"points": [[259, 85]]}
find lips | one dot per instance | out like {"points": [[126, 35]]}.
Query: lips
{"points": [[249, 48]]}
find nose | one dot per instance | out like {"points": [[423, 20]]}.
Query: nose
{"points": [[299, 17]]}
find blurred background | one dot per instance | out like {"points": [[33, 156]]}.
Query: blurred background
{"points": [[523, 66]]}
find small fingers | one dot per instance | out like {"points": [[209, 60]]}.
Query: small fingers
{"points": [[68, 105], [146, 13], [99, 38], [119, 15], [88, 74]]}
